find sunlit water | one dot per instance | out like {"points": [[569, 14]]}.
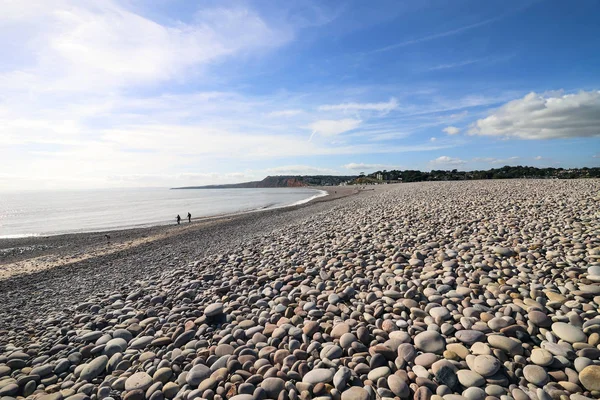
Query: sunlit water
{"points": [[51, 213]]}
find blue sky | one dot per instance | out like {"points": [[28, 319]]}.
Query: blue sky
{"points": [[170, 92]]}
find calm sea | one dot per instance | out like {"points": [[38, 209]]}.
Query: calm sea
{"points": [[51, 213]]}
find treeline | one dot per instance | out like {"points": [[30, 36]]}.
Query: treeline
{"points": [[506, 172]]}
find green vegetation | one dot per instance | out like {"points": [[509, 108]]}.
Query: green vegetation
{"points": [[506, 172]]}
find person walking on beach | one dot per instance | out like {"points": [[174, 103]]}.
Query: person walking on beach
{"points": [[189, 217], [178, 219]]}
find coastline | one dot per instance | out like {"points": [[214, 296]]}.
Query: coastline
{"points": [[315, 192], [433, 271], [22, 256]]}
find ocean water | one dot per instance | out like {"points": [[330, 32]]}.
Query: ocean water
{"points": [[51, 213]]}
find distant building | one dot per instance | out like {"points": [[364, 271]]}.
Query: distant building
{"points": [[379, 176]]}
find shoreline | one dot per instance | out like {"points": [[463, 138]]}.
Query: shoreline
{"points": [[402, 291], [27, 255], [321, 192]]}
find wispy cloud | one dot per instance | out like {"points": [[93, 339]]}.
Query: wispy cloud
{"points": [[370, 167], [455, 65], [485, 60], [447, 161], [300, 170], [498, 161], [330, 127], [382, 107], [284, 113], [438, 35], [450, 32]]}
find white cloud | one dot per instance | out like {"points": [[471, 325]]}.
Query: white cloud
{"points": [[284, 113], [392, 104], [498, 161], [447, 161], [98, 93], [369, 167], [330, 127], [432, 139], [538, 158], [451, 130], [544, 116], [77, 46], [300, 170]]}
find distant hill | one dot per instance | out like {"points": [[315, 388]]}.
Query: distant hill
{"points": [[506, 172], [282, 181]]}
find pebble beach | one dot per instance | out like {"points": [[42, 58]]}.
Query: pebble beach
{"points": [[477, 290]]}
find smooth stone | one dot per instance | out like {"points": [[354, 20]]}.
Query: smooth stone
{"points": [[541, 357], [426, 359], [469, 378], [581, 362], [242, 397], [380, 372], [139, 380], [341, 377], [213, 309], [535, 374], [197, 374], [590, 377], [496, 324], [430, 342], [474, 393], [355, 393], [94, 368], [486, 365], [170, 390], [569, 333], [347, 339], [447, 376], [509, 345], [469, 336], [273, 386], [504, 251], [440, 312], [318, 375], [539, 318], [9, 390], [339, 329], [398, 386]]}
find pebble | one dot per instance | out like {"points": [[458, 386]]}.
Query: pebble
{"points": [[318, 375], [535, 374], [213, 309], [138, 381], [93, 368], [568, 332], [541, 357], [355, 393], [590, 377], [469, 378], [484, 290], [486, 365], [430, 342]]}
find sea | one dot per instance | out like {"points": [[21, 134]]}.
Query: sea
{"points": [[58, 212]]}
